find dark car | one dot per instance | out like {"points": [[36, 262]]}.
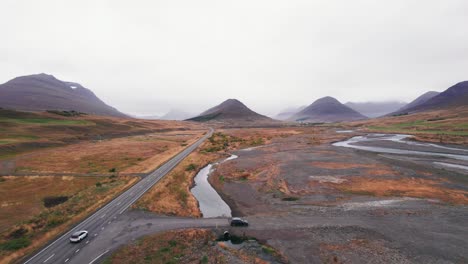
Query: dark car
{"points": [[236, 221]]}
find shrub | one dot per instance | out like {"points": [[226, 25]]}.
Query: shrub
{"points": [[172, 243], [113, 170], [290, 198], [268, 250], [52, 201], [15, 244], [98, 184], [191, 167], [18, 233]]}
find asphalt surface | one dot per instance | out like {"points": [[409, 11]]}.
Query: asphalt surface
{"points": [[134, 224], [62, 251]]}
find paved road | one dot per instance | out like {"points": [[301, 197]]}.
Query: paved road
{"points": [[134, 224], [62, 251]]}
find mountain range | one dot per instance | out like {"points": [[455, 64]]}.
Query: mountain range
{"points": [[41, 92]]}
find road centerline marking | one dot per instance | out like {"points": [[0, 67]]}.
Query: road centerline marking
{"points": [[92, 261], [49, 258]]}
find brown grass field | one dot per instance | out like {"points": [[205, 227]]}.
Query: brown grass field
{"points": [[98, 155], [28, 221], [404, 187], [442, 126], [25, 131], [133, 154], [172, 196], [187, 246]]}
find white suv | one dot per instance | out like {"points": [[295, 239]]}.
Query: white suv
{"points": [[78, 236]]}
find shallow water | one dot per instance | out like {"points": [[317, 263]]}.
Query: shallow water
{"points": [[450, 165], [353, 143], [211, 204], [344, 131]]}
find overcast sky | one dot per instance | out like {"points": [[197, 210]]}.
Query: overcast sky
{"points": [[146, 57]]}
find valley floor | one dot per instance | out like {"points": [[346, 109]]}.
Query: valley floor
{"points": [[313, 202], [306, 200]]}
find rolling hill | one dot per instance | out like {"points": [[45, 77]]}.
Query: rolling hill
{"points": [[327, 110], [41, 92]]}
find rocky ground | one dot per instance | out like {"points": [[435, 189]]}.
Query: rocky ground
{"points": [[317, 203]]}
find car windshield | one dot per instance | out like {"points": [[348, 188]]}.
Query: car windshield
{"points": [[75, 236]]}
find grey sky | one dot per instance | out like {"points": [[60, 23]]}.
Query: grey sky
{"points": [[146, 57]]}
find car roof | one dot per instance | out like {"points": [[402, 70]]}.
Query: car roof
{"points": [[77, 233], [236, 218]]}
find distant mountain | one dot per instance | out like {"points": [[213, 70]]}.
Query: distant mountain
{"points": [[230, 110], [416, 102], [375, 109], [42, 92], [288, 112], [176, 115], [327, 110], [454, 96]]}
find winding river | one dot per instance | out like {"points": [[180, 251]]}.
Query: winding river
{"points": [[211, 204]]}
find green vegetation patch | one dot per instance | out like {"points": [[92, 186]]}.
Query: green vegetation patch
{"points": [[220, 141], [44, 121], [15, 244], [66, 113], [191, 167]]}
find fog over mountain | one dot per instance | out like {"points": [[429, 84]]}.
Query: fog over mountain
{"points": [[375, 109], [154, 56]]}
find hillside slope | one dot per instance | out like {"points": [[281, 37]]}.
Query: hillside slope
{"points": [[230, 110], [418, 101], [42, 92]]}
